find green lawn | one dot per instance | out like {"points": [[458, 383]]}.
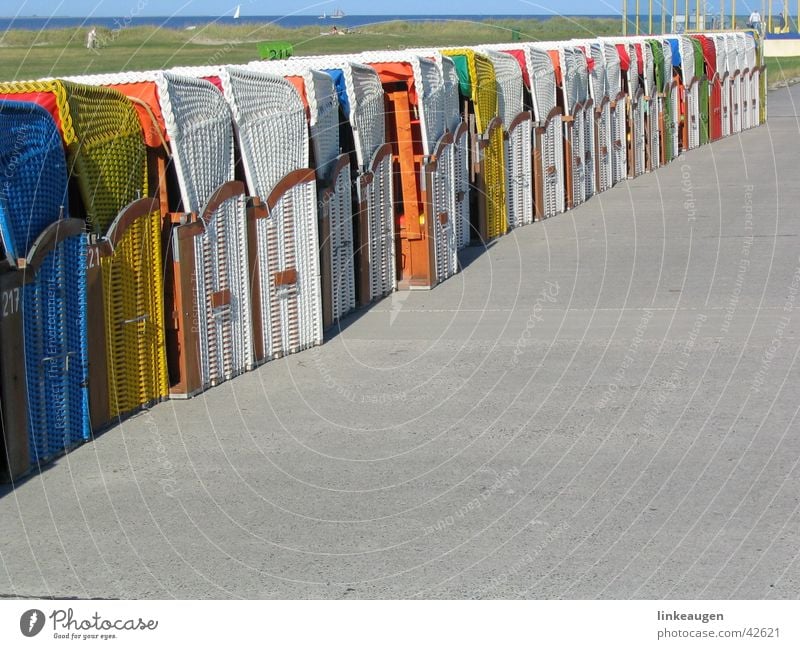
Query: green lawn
{"points": [[783, 70], [31, 55]]}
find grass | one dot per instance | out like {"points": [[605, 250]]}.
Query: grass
{"points": [[62, 52], [783, 71]]}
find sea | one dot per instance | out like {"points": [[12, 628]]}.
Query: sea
{"points": [[39, 23]]}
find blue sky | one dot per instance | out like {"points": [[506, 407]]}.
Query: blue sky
{"points": [[262, 7]]}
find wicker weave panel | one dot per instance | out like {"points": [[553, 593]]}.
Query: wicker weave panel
{"points": [[444, 224], [33, 175], [543, 82], [271, 125], [134, 318], [56, 358], [519, 174], [482, 84], [105, 146], [495, 174], [508, 77]]}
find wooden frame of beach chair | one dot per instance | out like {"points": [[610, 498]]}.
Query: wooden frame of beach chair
{"points": [[107, 157], [478, 89]]}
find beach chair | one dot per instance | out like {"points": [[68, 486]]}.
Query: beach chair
{"points": [[619, 112], [714, 85], [735, 77], [422, 152], [517, 124], [586, 102], [637, 156], [43, 327], [457, 127], [754, 83], [683, 68], [659, 98], [723, 74], [478, 87], [573, 132], [603, 127], [653, 114], [672, 104], [745, 48], [702, 88], [361, 98], [107, 161], [273, 142], [334, 186]]}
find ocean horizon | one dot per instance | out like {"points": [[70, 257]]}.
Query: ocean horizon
{"points": [[38, 23]]}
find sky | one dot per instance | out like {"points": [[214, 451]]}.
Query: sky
{"points": [[311, 7]]}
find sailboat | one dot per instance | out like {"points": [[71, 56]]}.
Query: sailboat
{"points": [[323, 16], [337, 13], [238, 12]]}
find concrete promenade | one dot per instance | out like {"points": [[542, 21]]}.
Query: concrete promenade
{"points": [[603, 405]]}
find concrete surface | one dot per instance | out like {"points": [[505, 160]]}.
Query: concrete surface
{"points": [[602, 405]]}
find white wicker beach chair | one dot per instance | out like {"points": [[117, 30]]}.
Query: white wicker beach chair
{"points": [[574, 128], [619, 110], [745, 79], [584, 99], [199, 125], [335, 206], [598, 86], [364, 92], [547, 134]]}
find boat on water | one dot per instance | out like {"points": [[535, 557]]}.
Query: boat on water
{"points": [[238, 13], [323, 16], [337, 13]]}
